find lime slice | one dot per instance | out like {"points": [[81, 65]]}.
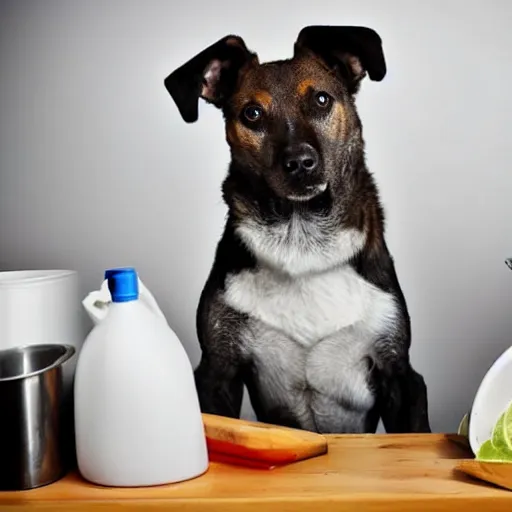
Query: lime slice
{"points": [[488, 453], [498, 435], [507, 427], [499, 447]]}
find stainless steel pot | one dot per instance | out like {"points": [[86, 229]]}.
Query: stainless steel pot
{"points": [[31, 415]]}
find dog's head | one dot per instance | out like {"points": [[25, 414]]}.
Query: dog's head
{"points": [[291, 123]]}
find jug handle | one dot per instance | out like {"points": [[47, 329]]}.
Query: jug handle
{"points": [[96, 305]]}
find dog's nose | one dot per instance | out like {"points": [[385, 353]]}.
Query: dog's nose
{"points": [[300, 158]]}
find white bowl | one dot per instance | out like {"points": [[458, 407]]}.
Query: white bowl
{"points": [[492, 398]]}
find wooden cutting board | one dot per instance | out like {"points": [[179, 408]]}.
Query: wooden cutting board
{"points": [[496, 473], [259, 445]]}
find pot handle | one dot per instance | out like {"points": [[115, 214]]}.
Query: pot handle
{"points": [[70, 352]]}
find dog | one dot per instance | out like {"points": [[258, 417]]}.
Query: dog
{"points": [[302, 304]]}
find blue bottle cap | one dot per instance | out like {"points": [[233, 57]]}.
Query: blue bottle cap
{"points": [[123, 284]]}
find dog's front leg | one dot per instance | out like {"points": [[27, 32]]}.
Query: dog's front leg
{"points": [[403, 400], [219, 386]]}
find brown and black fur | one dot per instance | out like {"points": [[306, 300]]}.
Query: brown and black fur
{"points": [[329, 61]]}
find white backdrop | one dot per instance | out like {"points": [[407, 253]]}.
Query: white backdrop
{"points": [[97, 169]]}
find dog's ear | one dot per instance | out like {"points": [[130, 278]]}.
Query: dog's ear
{"points": [[351, 51], [211, 75]]}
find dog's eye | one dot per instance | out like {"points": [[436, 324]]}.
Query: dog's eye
{"points": [[322, 99], [253, 113]]}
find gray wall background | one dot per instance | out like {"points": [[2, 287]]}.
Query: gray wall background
{"points": [[98, 170]]}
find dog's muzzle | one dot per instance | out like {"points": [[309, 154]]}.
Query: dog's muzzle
{"points": [[302, 167]]}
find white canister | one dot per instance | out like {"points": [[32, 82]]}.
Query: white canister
{"points": [[41, 306]]}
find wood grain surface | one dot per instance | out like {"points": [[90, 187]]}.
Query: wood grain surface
{"points": [[493, 472], [362, 473]]}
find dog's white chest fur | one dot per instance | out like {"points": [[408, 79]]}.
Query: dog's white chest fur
{"points": [[313, 332], [310, 307], [313, 322], [301, 245], [304, 287]]}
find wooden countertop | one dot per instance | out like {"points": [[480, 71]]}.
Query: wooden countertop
{"points": [[402, 473]]}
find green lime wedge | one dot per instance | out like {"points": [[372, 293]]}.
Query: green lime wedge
{"points": [[488, 453], [507, 427], [498, 435], [499, 447]]}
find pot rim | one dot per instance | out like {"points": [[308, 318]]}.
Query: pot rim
{"points": [[69, 351]]}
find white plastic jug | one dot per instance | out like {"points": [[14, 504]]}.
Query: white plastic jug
{"points": [[137, 415]]}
